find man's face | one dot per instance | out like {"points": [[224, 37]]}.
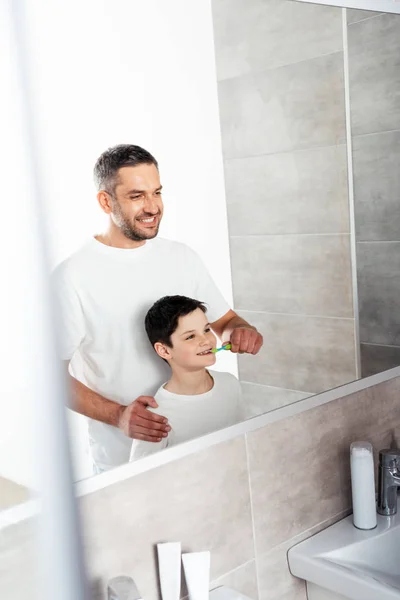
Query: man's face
{"points": [[192, 342], [137, 206]]}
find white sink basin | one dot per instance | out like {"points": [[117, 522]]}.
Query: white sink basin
{"points": [[359, 565]]}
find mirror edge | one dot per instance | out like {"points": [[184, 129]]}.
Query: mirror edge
{"points": [[21, 512]]}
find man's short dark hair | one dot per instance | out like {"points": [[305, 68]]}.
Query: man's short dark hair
{"points": [[162, 319], [124, 155]]}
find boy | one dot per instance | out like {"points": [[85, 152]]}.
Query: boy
{"points": [[194, 400]]}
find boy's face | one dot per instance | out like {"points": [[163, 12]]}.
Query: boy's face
{"points": [[192, 342]]}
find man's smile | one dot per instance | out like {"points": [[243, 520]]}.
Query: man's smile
{"points": [[148, 220]]}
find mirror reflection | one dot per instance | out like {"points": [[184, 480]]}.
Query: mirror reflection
{"points": [[197, 288], [310, 120]]}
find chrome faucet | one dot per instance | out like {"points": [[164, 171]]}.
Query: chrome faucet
{"points": [[388, 481], [122, 588]]}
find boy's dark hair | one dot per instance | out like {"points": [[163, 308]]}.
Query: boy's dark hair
{"points": [[162, 319], [124, 155]]}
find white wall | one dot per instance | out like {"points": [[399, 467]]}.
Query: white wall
{"points": [[126, 71], [17, 273]]}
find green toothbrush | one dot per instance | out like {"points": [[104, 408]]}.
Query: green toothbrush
{"points": [[226, 347]]}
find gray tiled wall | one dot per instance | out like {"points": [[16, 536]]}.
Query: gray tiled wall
{"points": [[249, 34], [300, 352], [374, 69], [230, 499], [282, 109]]}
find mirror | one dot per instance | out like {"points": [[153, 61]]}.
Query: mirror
{"points": [[302, 205]]}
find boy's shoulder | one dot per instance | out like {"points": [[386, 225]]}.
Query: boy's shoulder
{"points": [[163, 397]]}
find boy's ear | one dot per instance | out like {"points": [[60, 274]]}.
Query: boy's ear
{"points": [[163, 351]]}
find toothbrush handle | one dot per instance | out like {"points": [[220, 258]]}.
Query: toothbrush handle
{"points": [[225, 347]]}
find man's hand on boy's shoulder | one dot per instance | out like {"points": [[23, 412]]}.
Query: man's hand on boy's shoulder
{"points": [[137, 422], [245, 339]]}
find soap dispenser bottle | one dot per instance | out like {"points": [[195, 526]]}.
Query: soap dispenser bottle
{"points": [[363, 485]]}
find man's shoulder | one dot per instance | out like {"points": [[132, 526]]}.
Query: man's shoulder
{"points": [[74, 264], [183, 257], [172, 246]]}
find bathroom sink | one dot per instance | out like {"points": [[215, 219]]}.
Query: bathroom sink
{"points": [[359, 565]]}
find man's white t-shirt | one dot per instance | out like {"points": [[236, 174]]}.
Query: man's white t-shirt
{"points": [[104, 294], [193, 416]]}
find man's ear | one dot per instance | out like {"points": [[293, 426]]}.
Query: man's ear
{"points": [[163, 351], [104, 199]]}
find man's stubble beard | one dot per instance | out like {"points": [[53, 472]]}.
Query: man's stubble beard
{"points": [[129, 230]]}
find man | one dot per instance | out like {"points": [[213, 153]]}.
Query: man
{"points": [[105, 290]]}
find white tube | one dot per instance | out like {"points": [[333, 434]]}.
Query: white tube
{"points": [[169, 567], [363, 485], [197, 574]]}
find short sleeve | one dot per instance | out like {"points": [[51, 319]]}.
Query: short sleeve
{"points": [[206, 290], [140, 448], [69, 314]]}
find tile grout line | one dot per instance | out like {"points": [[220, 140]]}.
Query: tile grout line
{"points": [[379, 242], [352, 219], [380, 345], [275, 387], [366, 19], [266, 312], [252, 513], [276, 67], [247, 562], [260, 235], [341, 514], [383, 132], [292, 151]]}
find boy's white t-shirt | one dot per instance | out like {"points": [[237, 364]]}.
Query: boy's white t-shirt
{"points": [[194, 416], [104, 294]]}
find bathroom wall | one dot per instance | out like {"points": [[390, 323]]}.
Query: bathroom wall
{"points": [[247, 500], [374, 69], [282, 108]]}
